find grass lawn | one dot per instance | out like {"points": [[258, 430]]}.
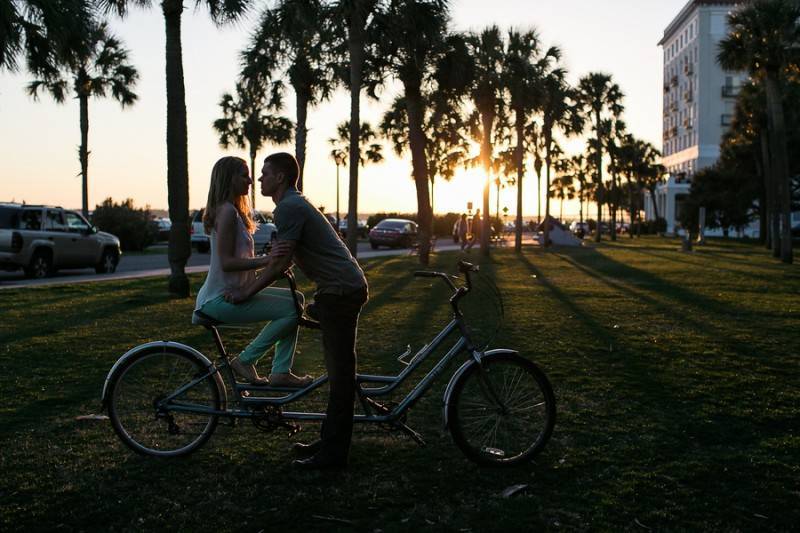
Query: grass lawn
{"points": [[676, 377]]}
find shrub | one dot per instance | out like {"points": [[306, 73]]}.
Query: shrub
{"points": [[131, 225]]}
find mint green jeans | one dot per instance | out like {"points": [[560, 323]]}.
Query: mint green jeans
{"points": [[274, 304]]}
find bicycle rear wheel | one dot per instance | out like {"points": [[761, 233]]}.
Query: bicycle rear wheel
{"points": [[504, 415], [150, 425]]}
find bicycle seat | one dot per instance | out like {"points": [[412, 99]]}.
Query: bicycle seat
{"points": [[199, 318]]}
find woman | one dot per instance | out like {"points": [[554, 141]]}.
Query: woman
{"points": [[228, 221]]}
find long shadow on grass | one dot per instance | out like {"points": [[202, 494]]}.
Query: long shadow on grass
{"points": [[667, 256], [604, 267], [639, 377]]}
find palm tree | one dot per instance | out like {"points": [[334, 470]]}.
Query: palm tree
{"points": [[46, 33], [246, 124], [357, 34], [368, 152], [486, 55], [579, 174], [597, 96], [222, 12], [763, 38], [412, 33], [560, 111], [294, 38], [100, 68], [523, 68], [616, 138], [563, 187], [339, 157]]}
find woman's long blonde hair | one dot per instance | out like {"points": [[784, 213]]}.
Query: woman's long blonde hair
{"points": [[219, 192]]}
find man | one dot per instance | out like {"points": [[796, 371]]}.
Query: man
{"points": [[341, 292], [475, 229]]}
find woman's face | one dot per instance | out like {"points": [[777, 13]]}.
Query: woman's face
{"points": [[240, 182]]}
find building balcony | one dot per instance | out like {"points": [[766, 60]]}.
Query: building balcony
{"points": [[688, 69], [673, 106], [674, 81], [687, 123], [688, 96], [730, 91]]}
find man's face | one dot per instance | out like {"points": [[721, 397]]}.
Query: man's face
{"points": [[270, 180]]}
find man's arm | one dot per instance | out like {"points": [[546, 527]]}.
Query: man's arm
{"points": [[273, 271]]}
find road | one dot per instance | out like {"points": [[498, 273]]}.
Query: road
{"points": [[156, 264]]}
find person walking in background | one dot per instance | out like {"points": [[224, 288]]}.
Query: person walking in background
{"points": [[462, 229], [475, 228]]}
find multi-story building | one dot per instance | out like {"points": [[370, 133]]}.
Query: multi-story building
{"points": [[699, 100]]}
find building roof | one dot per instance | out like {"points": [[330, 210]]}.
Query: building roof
{"points": [[687, 10]]}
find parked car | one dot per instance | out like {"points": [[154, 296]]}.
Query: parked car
{"points": [[265, 232], [362, 228], [393, 232], [579, 229], [41, 239], [198, 236], [162, 227]]}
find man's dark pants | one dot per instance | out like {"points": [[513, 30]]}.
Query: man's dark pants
{"points": [[338, 317]]}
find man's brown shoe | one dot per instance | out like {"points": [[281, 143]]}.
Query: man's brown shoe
{"points": [[289, 380], [248, 372]]}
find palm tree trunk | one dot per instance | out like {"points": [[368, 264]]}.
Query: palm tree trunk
{"points": [[518, 157], [253, 175], [177, 160], [337, 197], [547, 189], [83, 152], [487, 120], [301, 103], [599, 164], [631, 206], [416, 140], [773, 222], [653, 199], [764, 194], [780, 166], [356, 49], [539, 197]]}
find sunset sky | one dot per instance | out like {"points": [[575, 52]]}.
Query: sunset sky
{"points": [[39, 140]]}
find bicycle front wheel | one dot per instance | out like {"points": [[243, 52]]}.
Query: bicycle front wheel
{"points": [[148, 415], [502, 414]]}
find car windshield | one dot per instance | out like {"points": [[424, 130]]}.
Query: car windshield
{"points": [[391, 224]]}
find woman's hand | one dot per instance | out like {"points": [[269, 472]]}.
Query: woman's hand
{"points": [[280, 249], [236, 296]]}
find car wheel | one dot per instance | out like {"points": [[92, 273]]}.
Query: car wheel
{"points": [[41, 265], [108, 262], [203, 247], [373, 245]]}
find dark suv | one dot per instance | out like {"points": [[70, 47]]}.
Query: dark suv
{"points": [[41, 239]]}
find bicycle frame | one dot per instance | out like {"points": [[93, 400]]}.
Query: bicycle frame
{"points": [[387, 384]]}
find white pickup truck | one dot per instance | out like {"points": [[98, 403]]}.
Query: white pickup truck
{"points": [[265, 233]]}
